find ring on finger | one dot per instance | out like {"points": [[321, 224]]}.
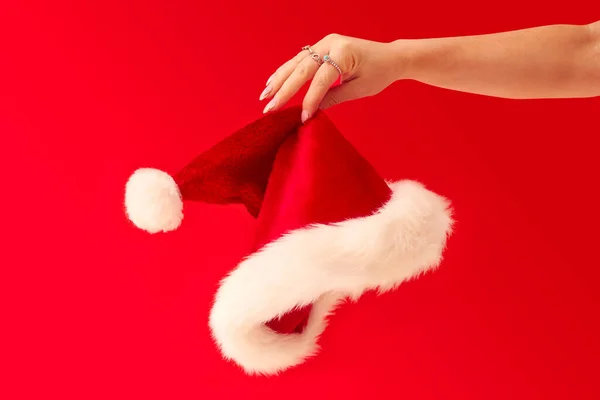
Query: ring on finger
{"points": [[308, 48], [317, 59], [313, 55], [327, 59]]}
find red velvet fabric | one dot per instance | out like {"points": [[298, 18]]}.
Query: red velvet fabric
{"points": [[289, 176], [236, 170]]}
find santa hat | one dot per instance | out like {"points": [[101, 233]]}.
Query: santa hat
{"points": [[328, 228]]}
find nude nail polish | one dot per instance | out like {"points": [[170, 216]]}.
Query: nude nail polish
{"points": [[305, 115], [266, 92], [270, 106], [269, 80]]}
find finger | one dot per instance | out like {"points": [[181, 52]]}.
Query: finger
{"points": [[326, 76], [350, 90], [276, 80], [305, 70]]}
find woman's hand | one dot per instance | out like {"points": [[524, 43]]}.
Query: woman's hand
{"points": [[367, 68], [553, 61]]}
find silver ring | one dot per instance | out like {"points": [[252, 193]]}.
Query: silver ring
{"points": [[313, 55], [317, 58], [327, 59]]}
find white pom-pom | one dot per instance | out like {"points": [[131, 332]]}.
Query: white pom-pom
{"points": [[153, 201]]}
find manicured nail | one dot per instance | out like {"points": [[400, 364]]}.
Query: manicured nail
{"points": [[270, 106], [269, 80], [266, 92], [304, 116]]}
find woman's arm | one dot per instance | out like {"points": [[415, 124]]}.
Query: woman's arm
{"points": [[553, 61], [556, 61]]}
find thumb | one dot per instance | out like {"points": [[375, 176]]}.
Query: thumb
{"points": [[347, 91]]}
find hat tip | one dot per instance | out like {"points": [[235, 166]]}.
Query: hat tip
{"points": [[153, 201]]}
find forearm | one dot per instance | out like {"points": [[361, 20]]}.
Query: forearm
{"points": [[556, 61]]}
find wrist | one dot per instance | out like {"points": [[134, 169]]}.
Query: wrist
{"points": [[415, 58], [404, 58]]}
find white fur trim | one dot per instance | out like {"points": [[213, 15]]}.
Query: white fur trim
{"points": [[322, 264], [153, 201]]}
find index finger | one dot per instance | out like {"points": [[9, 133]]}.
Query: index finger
{"points": [[282, 73]]}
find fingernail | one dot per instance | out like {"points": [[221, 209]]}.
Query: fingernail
{"points": [[266, 92], [269, 80], [270, 106], [304, 116]]}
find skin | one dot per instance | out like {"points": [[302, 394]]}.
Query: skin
{"points": [[553, 61]]}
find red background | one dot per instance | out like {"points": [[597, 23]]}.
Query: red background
{"points": [[93, 308]]}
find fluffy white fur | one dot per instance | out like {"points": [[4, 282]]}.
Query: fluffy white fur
{"points": [[153, 201], [323, 264]]}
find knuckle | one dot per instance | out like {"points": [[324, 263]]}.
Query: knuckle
{"points": [[321, 83], [344, 46], [302, 70]]}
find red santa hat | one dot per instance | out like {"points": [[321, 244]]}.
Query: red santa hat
{"points": [[328, 228]]}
